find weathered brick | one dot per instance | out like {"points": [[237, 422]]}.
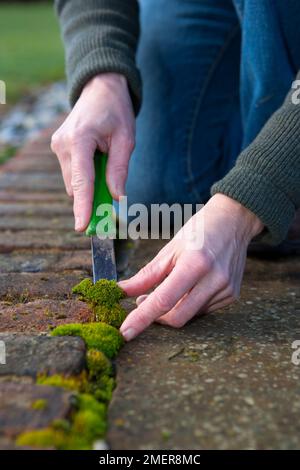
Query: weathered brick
{"points": [[42, 209], [41, 315], [31, 182], [40, 239], [43, 261], [55, 222], [35, 164], [22, 287], [31, 355], [10, 195], [17, 402]]}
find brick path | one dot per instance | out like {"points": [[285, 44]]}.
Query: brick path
{"points": [[224, 381], [41, 258]]}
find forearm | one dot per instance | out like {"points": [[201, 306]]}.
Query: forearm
{"points": [[266, 177], [100, 36]]}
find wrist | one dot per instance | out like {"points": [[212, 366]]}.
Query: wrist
{"points": [[111, 80], [244, 220]]}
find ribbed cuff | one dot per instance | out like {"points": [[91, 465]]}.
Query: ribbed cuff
{"points": [[255, 192], [105, 60]]}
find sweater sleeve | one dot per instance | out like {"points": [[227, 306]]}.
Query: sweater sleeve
{"points": [[266, 176], [100, 36]]}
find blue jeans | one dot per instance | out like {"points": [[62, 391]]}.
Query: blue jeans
{"points": [[213, 72]]}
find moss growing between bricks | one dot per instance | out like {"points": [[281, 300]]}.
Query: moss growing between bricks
{"points": [[94, 386], [88, 424], [99, 336]]}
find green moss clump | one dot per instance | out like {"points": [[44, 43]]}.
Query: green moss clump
{"points": [[97, 364], [99, 336], [90, 420], [104, 299], [113, 316], [103, 389], [77, 383], [103, 292], [40, 404], [89, 424]]}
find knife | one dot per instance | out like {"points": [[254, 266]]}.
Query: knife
{"points": [[103, 254]]}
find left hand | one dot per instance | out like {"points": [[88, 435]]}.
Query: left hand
{"points": [[192, 279]]}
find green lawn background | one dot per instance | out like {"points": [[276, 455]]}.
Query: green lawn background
{"points": [[31, 52]]}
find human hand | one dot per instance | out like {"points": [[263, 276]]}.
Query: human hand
{"points": [[101, 119], [191, 279]]}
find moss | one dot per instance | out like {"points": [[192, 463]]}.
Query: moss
{"points": [[97, 364], [90, 420], [165, 434], [39, 404], [103, 292], [113, 316], [88, 424], [95, 385], [52, 438], [104, 299], [103, 389], [77, 383], [98, 336]]}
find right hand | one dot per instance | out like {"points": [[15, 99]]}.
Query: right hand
{"points": [[103, 119]]}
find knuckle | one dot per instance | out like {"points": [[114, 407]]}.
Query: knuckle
{"points": [[162, 302], [143, 320], [233, 294], [146, 271], [78, 183], [55, 142], [128, 139], [73, 138], [222, 279], [206, 261], [120, 170]]}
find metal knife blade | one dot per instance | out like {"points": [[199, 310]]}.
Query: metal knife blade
{"points": [[103, 256]]}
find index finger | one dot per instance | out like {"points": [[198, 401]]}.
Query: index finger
{"points": [[160, 301]]}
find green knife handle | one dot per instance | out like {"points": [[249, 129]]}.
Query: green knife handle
{"points": [[101, 192]]}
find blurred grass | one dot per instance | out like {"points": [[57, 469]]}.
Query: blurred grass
{"points": [[31, 52], [6, 153]]}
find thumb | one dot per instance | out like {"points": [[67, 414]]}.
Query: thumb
{"points": [[121, 148]]}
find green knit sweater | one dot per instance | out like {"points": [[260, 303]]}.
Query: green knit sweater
{"points": [[102, 35]]}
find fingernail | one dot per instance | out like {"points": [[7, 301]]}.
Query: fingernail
{"points": [[78, 223], [129, 334], [141, 299]]}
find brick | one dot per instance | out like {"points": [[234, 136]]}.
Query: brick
{"points": [[35, 164], [43, 261], [22, 287], [67, 240], [55, 222], [30, 182], [31, 355], [17, 414], [10, 195], [42, 209], [41, 315]]}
